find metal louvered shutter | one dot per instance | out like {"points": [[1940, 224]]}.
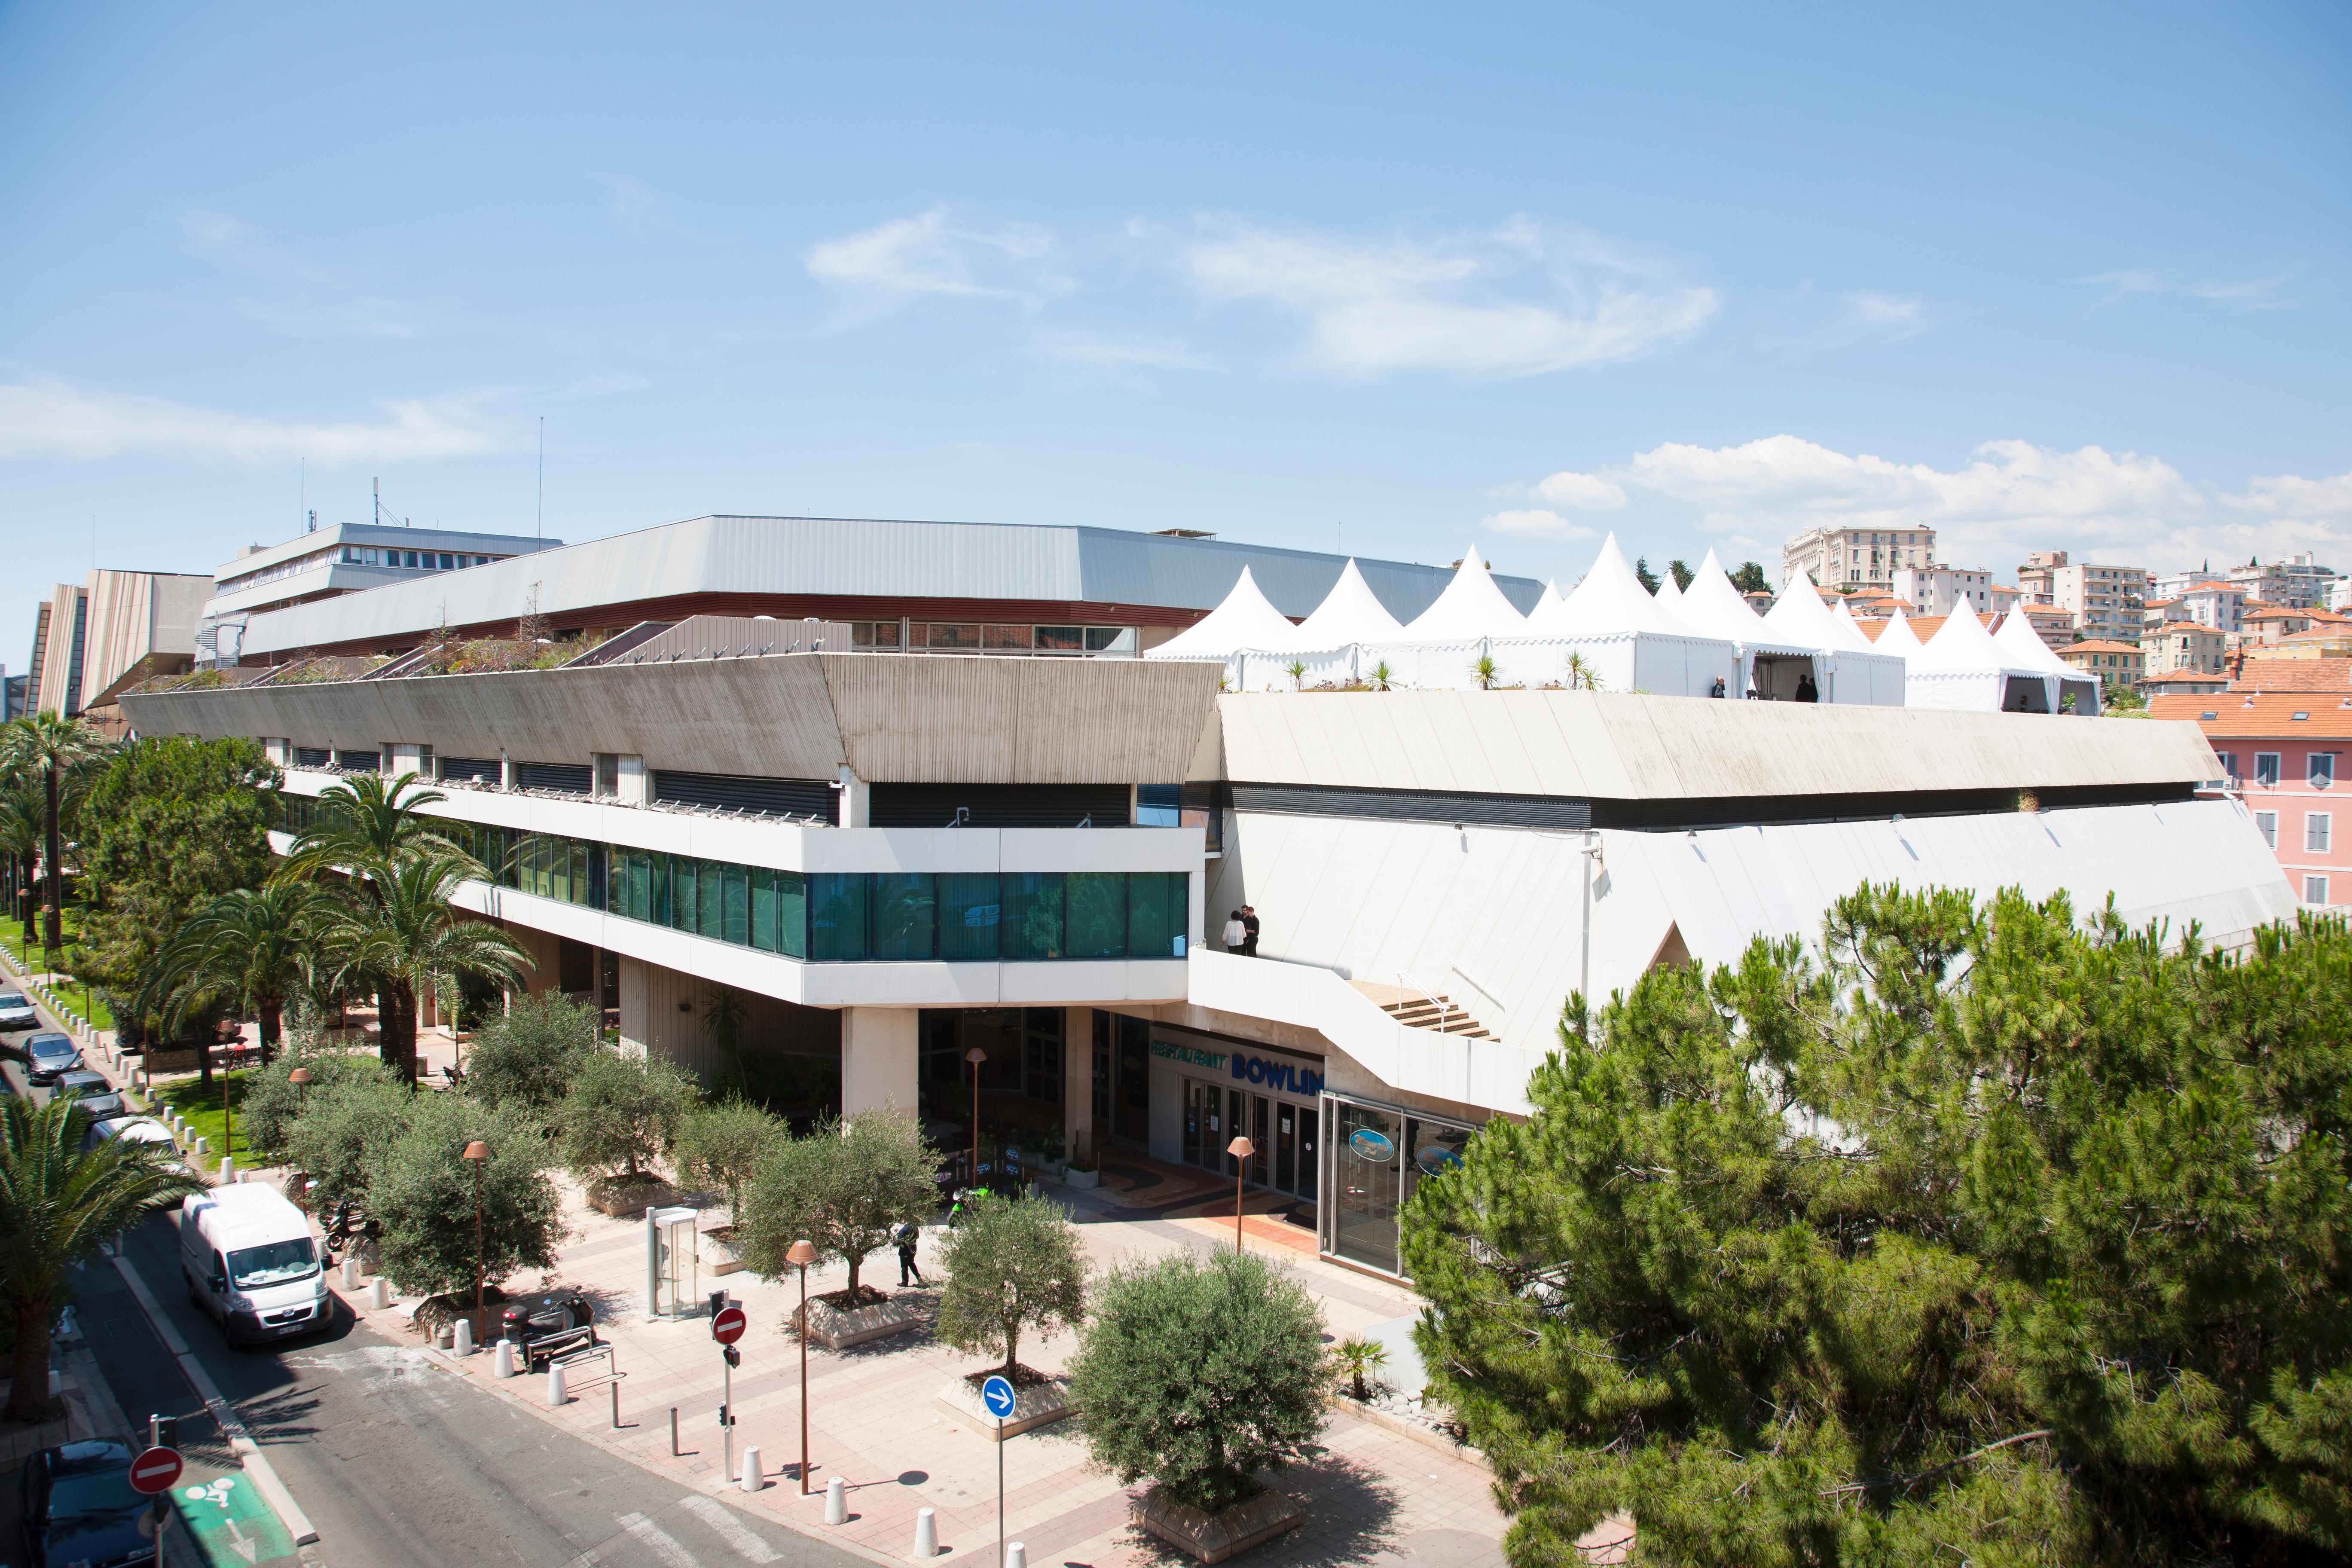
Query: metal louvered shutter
{"points": [[1000, 805], [569, 778], [741, 792], [480, 770]]}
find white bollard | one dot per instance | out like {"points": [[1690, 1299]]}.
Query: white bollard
{"points": [[556, 1397], [837, 1502], [462, 1343], [1016, 1555], [227, 1170], [751, 1481], [204, 1147], [927, 1536], [502, 1363], [351, 1273], [378, 1292]]}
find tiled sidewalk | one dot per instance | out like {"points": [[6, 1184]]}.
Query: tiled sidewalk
{"points": [[1374, 1495]]}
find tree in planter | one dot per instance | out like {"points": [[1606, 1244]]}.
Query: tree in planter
{"points": [[1199, 1373], [1359, 1363], [422, 1188], [1012, 1265], [621, 1114], [1975, 1231], [844, 1188], [724, 1144], [337, 1134], [528, 1057], [58, 1204], [273, 1104]]}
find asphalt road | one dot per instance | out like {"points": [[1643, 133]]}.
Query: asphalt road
{"points": [[399, 1463]]}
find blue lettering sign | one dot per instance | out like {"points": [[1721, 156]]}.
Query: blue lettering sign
{"points": [[1288, 1077]]}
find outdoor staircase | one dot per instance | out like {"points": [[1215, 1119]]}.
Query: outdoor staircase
{"points": [[1418, 1009]]}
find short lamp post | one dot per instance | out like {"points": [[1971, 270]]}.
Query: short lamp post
{"points": [[477, 1154], [300, 1078], [1240, 1148], [975, 1056], [800, 1256]]}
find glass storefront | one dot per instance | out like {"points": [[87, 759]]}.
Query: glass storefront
{"points": [[1380, 1156], [1241, 1092]]}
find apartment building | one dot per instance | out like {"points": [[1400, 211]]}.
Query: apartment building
{"points": [[1939, 590], [111, 631], [2182, 656], [2107, 601], [2297, 582], [2220, 605], [2283, 754], [2033, 578], [1848, 558], [2115, 663]]}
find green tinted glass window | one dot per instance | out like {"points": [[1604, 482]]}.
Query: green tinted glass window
{"points": [[1096, 921], [738, 905], [837, 932], [972, 913], [1155, 914], [791, 914], [904, 915], [710, 899], [681, 893], [1033, 915], [763, 909]]}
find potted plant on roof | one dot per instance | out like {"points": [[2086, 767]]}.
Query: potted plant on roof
{"points": [[844, 1188]]}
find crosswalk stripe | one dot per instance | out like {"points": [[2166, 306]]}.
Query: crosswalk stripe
{"points": [[731, 1530], [657, 1540]]}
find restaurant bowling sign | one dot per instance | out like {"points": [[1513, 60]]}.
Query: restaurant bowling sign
{"points": [[1288, 1077]]}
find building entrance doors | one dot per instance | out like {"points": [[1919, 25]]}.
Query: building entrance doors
{"points": [[1283, 1132]]}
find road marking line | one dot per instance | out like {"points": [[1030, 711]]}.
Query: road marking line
{"points": [[298, 1523], [733, 1531], [660, 1543]]}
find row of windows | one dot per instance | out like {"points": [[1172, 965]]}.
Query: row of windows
{"points": [[412, 560], [839, 917], [2319, 767], [2318, 830], [962, 637]]}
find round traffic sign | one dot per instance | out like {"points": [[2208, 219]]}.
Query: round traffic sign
{"points": [[997, 1394], [154, 1470], [727, 1325]]}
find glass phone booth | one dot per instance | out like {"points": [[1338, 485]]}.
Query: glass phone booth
{"points": [[673, 1276]]}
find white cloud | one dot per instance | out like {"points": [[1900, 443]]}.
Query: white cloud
{"points": [[2254, 294], [1098, 350], [45, 417], [1886, 318], [1520, 301], [1588, 491], [2286, 495], [1537, 524], [877, 271]]}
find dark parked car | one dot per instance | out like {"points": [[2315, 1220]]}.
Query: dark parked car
{"points": [[97, 1096], [80, 1508], [52, 1054]]}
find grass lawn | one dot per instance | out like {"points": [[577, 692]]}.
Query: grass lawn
{"points": [[202, 1106], [31, 959]]}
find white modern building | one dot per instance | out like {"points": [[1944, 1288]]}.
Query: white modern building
{"points": [[1847, 558], [1940, 589]]}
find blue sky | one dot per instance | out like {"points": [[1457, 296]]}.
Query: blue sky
{"points": [[1383, 279]]}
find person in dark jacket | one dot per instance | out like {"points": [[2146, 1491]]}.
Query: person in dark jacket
{"points": [[1807, 692], [1249, 930], [907, 1237]]}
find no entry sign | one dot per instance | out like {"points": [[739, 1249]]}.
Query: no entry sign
{"points": [[154, 1470], [727, 1325]]}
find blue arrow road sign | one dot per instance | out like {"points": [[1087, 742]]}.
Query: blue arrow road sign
{"points": [[997, 1394]]}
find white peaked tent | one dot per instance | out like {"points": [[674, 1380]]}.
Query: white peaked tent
{"points": [[1857, 673], [2024, 645], [1771, 665], [1625, 637], [1350, 612], [1471, 609], [1545, 601], [1899, 640], [1244, 630], [1962, 667]]}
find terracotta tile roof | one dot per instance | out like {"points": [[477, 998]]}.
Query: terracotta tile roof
{"points": [[2311, 675], [2095, 644], [2269, 716]]}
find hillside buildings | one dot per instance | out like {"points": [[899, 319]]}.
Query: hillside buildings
{"points": [[1849, 558]]}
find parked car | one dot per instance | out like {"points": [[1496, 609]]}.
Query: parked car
{"points": [[250, 1261], [16, 1011], [130, 1129], [91, 1091], [80, 1508], [53, 1055]]}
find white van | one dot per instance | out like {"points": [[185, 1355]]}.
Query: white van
{"points": [[251, 1262]]}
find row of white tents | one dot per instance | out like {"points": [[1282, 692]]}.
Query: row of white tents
{"points": [[1612, 634]]}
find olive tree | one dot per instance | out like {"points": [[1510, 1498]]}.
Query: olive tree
{"points": [[1199, 1373], [845, 1189], [529, 1054], [1012, 1265], [723, 1144], [342, 1129], [621, 1113], [422, 1188], [273, 1104]]}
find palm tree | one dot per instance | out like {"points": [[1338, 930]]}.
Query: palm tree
{"points": [[253, 944], [50, 744], [406, 935], [58, 1204], [20, 841], [365, 823]]}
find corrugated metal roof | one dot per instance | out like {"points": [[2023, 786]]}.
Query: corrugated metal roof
{"points": [[851, 557]]}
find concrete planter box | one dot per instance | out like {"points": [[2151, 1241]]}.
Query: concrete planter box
{"points": [[1214, 1536], [623, 1199], [835, 1330], [720, 1253], [1042, 1406], [1081, 1180], [1047, 1166]]}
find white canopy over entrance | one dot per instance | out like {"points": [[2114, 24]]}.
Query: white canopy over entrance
{"points": [[1857, 672]]}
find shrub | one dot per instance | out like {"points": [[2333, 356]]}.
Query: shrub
{"points": [[623, 1113], [529, 1056], [337, 1134], [272, 1104], [1012, 1265], [724, 1143], [1199, 1373], [844, 1188], [422, 1188]]}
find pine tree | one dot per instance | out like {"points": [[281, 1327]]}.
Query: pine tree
{"points": [[1972, 1231], [1642, 569]]}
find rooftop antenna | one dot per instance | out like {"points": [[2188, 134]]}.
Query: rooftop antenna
{"points": [[378, 485]]}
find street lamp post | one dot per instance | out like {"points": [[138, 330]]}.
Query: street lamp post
{"points": [[477, 1154], [1240, 1148], [975, 1056], [800, 1255]]}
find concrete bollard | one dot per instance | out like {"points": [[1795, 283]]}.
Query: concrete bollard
{"points": [[1016, 1555], [927, 1536], [502, 1363], [351, 1273], [462, 1342], [227, 1170], [556, 1397], [378, 1292], [751, 1481], [203, 1146], [837, 1502]]}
